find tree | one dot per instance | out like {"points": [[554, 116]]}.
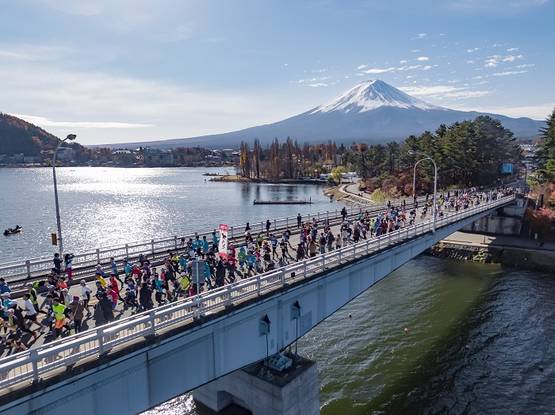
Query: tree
{"points": [[256, 154], [245, 160], [336, 173], [546, 152]]}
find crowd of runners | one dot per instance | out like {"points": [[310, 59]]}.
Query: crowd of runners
{"points": [[56, 306]]}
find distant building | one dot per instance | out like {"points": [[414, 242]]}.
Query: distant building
{"points": [[158, 158], [65, 154]]}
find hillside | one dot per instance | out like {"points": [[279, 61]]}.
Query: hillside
{"points": [[18, 136]]}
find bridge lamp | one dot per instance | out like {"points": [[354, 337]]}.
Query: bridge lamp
{"points": [[425, 157], [264, 330], [70, 137], [296, 315]]}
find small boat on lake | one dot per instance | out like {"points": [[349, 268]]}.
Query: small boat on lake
{"points": [[13, 231]]}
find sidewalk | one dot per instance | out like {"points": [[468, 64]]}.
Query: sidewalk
{"points": [[498, 241]]}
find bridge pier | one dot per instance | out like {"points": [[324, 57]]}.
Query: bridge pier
{"points": [[263, 391]]}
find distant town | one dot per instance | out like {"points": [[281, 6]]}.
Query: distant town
{"points": [[140, 157]]}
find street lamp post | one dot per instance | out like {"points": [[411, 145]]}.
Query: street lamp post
{"points": [[70, 137], [426, 157], [414, 178]]}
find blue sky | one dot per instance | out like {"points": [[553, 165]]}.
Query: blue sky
{"points": [[132, 70]]}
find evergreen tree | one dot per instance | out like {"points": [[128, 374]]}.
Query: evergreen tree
{"points": [[546, 152]]}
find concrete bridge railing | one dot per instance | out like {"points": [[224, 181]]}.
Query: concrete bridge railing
{"points": [[15, 270], [49, 359]]}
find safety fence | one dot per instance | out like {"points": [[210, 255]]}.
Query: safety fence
{"points": [[156, 248]]}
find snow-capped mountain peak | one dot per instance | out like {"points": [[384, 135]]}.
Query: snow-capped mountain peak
{"points": [[370, 95]]}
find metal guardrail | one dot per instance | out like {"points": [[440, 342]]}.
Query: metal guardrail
{"points": [[26, 269], [45, 360]]}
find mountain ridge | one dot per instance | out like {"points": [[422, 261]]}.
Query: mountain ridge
{"points": [[372, 111]]}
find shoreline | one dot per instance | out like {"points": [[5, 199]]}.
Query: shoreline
{"points": [[40, 166], [235, 178], [513, 251]]}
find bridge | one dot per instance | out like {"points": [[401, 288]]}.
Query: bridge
{"points": [[145, 359]]}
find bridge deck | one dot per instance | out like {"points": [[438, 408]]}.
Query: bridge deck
{"points": [[76, 351]]}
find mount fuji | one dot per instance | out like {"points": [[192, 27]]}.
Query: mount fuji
{"points": [[372, 111]]}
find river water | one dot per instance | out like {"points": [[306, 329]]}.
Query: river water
{"points": [[479, 338], [479, 341]]}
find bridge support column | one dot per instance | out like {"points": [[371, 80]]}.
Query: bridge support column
{"points": [[261, 391]]}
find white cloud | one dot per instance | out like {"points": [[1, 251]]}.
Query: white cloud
{"points": [[525, 65], [313, 80], [415, 50], [423, 58], [508, 73], [472, 50], [441, 92], [494, 60], [359, 67], [512, 50], [47, 123], [404, 68], [421, 35], [103, 107], [403, 61], [318, 85], [538, 112], [512, 58], [371, 71]]}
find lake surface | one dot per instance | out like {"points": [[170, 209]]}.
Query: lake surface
{"points": [[480, 341], [111, 206], [480, 338]]}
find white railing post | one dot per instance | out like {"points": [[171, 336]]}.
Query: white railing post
{"points": [[282, 276], [198, 304], [340, 252], [28, 267], [34, 356], [228, 295], [152, 322], [258, 285], [100, 336], [304, 268]]}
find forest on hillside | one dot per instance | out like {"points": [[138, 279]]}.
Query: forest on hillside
{"points": [[468, 153]]}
